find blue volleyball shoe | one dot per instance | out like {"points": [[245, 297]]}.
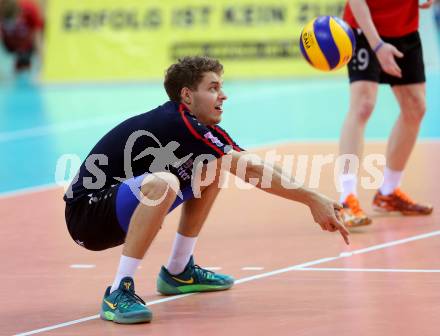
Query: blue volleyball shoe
{"points": [[124, 306], [193, 279]]}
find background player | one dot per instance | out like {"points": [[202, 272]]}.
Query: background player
{"points": [[388, 50], [21, 25]]}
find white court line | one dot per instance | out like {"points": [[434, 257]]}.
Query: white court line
{"points": [[93, 317], [300, 267], [61, 325], [77, 266], [379, 270], [393, 243]]}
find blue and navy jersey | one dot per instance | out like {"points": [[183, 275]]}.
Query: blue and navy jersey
{"points": [[166, 139]]}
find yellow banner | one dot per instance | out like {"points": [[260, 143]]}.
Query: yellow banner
{"points": [[103, 40]]}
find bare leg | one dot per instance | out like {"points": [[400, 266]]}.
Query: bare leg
{"points": [[144, 225], [147, 220], [195, 211], [194, 214], [411, 100], [181, 275], [363, 96]]}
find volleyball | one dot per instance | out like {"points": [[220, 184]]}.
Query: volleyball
{"points": [[327, 43]]}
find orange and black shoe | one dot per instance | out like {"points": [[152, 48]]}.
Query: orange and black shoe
{"points": [[398, 201], [352, 214]]}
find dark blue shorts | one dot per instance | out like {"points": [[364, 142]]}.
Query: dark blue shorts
{"points": [[100, 220]]}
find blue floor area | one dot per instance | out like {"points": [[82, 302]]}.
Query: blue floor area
{"points": [[38, 124]]}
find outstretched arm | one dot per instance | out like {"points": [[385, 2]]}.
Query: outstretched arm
{"points": [[325, 211]]}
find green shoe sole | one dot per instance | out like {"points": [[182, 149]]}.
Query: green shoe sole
{"points": [[166, 289], [109, 316]]}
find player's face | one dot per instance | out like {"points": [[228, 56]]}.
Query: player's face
{"points": [[206, 103]]}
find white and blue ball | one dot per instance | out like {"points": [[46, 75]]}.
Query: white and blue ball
{"points": [[327, 43]]}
